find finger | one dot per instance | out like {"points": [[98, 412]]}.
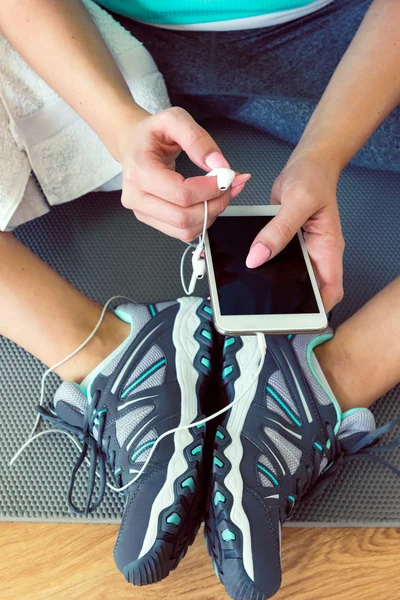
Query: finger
{"points": [[238, 184], [156, 179], [180, 218], [276, 192], [237, 190], [278, 233], [198, 144], [328, 267], [185, 235]]}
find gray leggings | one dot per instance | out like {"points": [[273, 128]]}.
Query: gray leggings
{"points": [[270, 78]]}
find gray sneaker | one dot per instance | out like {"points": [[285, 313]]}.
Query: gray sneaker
{"points": [[156, 381], [286, 433]]}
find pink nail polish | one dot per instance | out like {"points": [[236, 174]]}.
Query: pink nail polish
{"points": [[257, 256], [236, 190], [215, 160], [241, 180]]}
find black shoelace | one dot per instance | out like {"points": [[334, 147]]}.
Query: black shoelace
{"points": [[365, 448], [97, 453], [91, 448]]}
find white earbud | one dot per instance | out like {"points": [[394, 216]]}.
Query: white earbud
{"points": [[224, 177], [198, 266]]}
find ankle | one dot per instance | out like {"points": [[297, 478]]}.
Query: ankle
{"points": [[111, 334], [341, 374]]}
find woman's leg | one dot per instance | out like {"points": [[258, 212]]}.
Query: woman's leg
{"points": [[362, 361], [291, 68], [48, 317]]}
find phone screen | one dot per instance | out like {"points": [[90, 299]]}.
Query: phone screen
{"points": [[280, 286]]}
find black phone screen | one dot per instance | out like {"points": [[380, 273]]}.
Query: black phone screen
{"points": [[280, 286]]}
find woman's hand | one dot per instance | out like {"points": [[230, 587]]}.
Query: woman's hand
{"points": [[158, 195], [306, 190]]}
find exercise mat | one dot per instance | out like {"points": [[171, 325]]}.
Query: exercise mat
{"points": [[103, 250]]}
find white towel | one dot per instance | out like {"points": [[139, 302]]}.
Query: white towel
{"points": [[39, 132]]}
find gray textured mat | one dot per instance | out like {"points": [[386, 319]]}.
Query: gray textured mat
{"points": [[104, 251]]}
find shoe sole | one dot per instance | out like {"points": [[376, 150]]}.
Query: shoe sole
{"points": [[227, 530], [178, 507]]}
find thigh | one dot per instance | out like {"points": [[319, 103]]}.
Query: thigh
{"points": [[295, 60], [183, 57], [287, 118]]}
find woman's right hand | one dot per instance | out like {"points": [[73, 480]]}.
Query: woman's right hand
{"points": [[306, 191], [154, 191]]}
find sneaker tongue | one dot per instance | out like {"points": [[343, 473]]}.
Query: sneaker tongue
{"points": [[70, 403], [355, 424]]}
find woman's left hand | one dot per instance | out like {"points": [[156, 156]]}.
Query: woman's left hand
{"points": [[306, 190]]}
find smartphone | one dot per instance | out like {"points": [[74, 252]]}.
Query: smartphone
{"points": [[280, 296]]}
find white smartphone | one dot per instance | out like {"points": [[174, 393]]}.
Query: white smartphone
{"points": [[281, 296]]}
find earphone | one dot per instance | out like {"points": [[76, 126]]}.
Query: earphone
{"points": [[224, 177], [224, 180]]}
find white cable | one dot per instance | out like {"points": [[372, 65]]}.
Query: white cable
{"points": [[32, 438], [263, 349], [196, 255], [261, 344], [61, 362], [225, 178], [185, 289]]}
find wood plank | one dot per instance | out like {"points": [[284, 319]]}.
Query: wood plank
{"points": [[73, 562]]}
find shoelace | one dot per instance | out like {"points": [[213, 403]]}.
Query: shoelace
{"points": [[92, 448], [364, 449], [91, 451]]}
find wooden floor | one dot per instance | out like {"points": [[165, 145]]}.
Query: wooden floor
{"points": [[71, 562]]}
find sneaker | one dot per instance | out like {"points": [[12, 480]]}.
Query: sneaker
{"points": [[286, 432], [154, 382]]}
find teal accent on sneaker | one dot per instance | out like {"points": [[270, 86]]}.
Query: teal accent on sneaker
{"points": [[174, 519], [318, 445], [289, 337], [189, 482], [349, 412], [227, 371], [117, 471], [283, 405], [218, 462], [219, 498], [197, 450], [228, 535], [220, 435], [201, 426], [102, 411], [146, 374], [206, 334], [208, 310], [292, 498], [320, 339], [82, 389], [216, 571], [152, 310], [141, 449], [229, 342], [206, 362], [268, 474]]}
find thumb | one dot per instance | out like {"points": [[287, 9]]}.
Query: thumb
{"points": [[276, 234], [194, 140]]}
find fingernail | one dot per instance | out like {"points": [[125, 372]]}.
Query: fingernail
{"points": [[258, 254], [241, 180], [215, 160], [236, 190]]}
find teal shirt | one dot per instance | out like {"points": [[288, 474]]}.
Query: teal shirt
{"points": [[185, 12]]}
